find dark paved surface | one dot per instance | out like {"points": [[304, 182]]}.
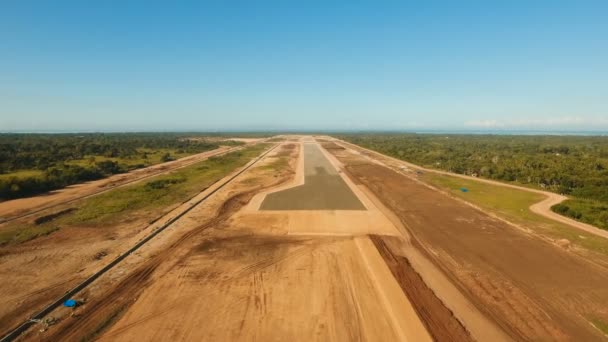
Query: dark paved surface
{"points": [[323, 188]]}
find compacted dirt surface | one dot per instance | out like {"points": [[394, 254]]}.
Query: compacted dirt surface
{"points": [[409, 264], [34, 273], [229, 271], [532, 289]]}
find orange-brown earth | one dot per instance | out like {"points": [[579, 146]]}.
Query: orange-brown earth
{"points": [[532, 289], [134, 270], [35, 272], [414, 265], [226, 272]]}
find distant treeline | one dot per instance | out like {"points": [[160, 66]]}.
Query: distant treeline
{"points": [[50, 153], [571, 165]]}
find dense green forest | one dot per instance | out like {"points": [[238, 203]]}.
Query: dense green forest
{"points": [[573, 165], [34, 163]]}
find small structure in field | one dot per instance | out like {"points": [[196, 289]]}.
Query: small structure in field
{"points": [[70, 303]]}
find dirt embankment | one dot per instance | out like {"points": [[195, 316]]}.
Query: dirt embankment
{"points": [[104, 311], [235, 279], [532, 289], [112, 295], [36, 272], [438, 319]]}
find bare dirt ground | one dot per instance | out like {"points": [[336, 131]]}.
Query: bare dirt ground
{"points": [[23, 206], [35, 272], [415, 265], [222, 274], [532, 289], [57, 262]]}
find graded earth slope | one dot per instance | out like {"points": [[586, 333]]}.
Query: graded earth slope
{"points": [[533, 289], [229, 271]]}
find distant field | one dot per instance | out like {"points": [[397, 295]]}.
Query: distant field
{"points": [[141, 199], [21, 174], [31, 164], [576, 166], [144, 157], [514, 205]]}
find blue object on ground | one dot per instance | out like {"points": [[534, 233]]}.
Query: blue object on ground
{"points": [[464, 189], [70, 303]]}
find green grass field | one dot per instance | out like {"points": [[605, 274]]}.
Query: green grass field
{"points": [[150, 198], [585, 210], [153, 156], [601, 325], [513, 205], [22, 174]]}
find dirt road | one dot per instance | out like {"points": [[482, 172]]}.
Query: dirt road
{"points": [[232, 272], [412, 265], [532, 289], [542, 208], [35, 272], [23, 206], [242, 280]]}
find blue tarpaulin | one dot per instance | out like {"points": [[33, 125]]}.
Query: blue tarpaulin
{"points": [[70, 303], [464, 189]]}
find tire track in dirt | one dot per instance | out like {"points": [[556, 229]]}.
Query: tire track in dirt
{"points": [[119, 298], [122, 295], [23, 327], [532, 289]]}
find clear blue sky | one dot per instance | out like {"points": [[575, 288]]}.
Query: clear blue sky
{"points": [[125, 65]]}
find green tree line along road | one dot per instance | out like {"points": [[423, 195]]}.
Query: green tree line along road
{"points": [[31, 164], [576, 166]]}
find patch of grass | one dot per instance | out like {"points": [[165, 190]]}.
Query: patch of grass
{"points": [[584, 210], [277, 164], [507, 201], [22, 174], [22, 233], [162, 191], [145, 157], [513, 205], [600, 325], [146, 198]]}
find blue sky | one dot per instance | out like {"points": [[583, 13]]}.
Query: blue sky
{"points": [[129, 65]]}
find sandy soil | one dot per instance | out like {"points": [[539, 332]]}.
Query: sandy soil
{"points": [[542, 208], [35, 272], [24, 206], [416, 265], [273, 285], [243, 287], [219, 276], [532, 289]]}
